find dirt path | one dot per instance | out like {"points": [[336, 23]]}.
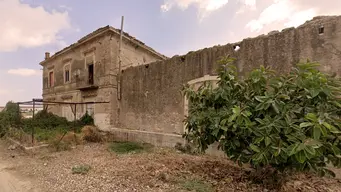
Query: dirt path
{"points": [[12, 183], [10, 180]]}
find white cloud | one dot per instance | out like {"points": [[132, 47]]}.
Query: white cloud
{"points": [[251, 3], [300, 17], [204, 6], [24, 72], [247, 5], [288, 13], [25, 26]]}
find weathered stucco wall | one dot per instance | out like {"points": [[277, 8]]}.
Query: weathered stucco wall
{"points": [[102, 51], [96, 51], [151, 99]]}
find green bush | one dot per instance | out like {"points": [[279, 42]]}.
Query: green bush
{"points": [[86, 119], [45, 124], [9, 117], [289, 121], [47, 120]]}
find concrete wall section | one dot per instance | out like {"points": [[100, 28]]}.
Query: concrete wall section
{"points": [[151, 99]]}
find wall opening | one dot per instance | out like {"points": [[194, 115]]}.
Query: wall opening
{"points": [[321, 30], [51, 79], [183, 59], [67, 75], [195, 84], [236, 47], [146, 66], [91, 74]]}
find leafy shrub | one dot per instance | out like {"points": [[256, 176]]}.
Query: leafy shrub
{"points": [[9, 117], [86, 119], [289, 121], [47, 120], [11, 114]]}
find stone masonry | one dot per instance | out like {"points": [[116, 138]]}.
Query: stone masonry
{"points": [[152, 109], [66, 74]]}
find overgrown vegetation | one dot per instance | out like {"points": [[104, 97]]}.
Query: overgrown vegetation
{"points": [[9, 117], [288, 121], [46, 125], [128, 147]]}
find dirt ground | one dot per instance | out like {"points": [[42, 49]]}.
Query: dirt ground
{"points": [[11, 181], [157, 170]]}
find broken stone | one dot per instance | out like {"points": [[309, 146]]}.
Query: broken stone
{"points": [[12, 147]]}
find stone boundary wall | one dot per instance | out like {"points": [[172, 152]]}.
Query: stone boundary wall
{"points": [[151, 98]]}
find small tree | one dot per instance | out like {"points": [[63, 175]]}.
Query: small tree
{"points": [[11, 114], [289, 121], [9, 117]]}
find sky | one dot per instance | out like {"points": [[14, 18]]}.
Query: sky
{"points": [[29, 28]]}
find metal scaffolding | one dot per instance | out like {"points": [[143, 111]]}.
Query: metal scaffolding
{"points": [[41, 102]]}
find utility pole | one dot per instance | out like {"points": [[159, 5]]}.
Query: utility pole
{"points": [[120, 62], [119, 74]]}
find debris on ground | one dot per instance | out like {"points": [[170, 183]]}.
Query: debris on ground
{"points": [[100, 169]]}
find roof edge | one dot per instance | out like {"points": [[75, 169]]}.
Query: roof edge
{"points": [[100, 32]]}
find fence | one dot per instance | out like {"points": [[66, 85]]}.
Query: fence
{"points": [[30, 108]]}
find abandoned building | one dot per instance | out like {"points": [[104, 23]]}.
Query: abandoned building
{"points": [[87, 71], [145, 102]]}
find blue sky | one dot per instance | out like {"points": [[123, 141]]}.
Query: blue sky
{"points": [[29, 28]]}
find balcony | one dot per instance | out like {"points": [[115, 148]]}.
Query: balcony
{"points": [[85, 84]]}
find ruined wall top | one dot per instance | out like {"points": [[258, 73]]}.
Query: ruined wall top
{"points": [[151, 98]]}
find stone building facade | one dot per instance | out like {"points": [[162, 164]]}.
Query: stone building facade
{"points": [[87, 71], [151, 107]]}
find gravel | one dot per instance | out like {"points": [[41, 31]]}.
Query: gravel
{"points": [[158, 170]]}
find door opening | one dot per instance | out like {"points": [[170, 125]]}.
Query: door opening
{"points": [[91, 74]]}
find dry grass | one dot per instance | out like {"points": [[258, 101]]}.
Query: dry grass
{"points": [[91, 134]]}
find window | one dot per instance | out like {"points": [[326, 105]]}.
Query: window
{"points": [[67, 76], [51, 79], [91, 74], [321, 30]]}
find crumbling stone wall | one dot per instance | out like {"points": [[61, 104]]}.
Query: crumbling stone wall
{"points": [[151, 98]]}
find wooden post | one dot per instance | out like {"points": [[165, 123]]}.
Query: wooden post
{"points": [[33, 120], [75, 119]]}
